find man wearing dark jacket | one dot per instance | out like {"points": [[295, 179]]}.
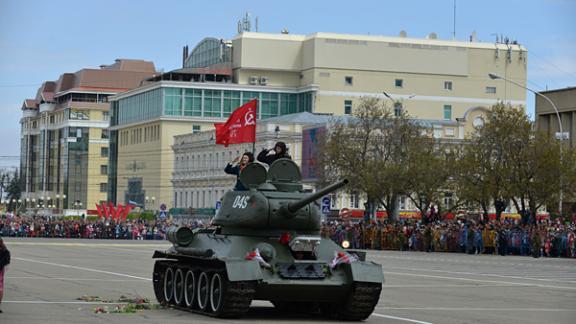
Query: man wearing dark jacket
{"points": [[280, 151]]}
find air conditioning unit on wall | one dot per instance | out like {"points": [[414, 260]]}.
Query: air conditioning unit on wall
{"points": [[263, 80], [253, 80]]}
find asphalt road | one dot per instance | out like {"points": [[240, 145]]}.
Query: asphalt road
{"points": [[46, 278]]}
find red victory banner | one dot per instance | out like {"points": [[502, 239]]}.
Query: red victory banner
{"points": [[100, 211], [240, 126]]}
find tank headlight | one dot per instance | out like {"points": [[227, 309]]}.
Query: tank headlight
{"points": [[345, 244]]}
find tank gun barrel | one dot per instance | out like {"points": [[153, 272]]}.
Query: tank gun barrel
{"points": [[293, 207]]}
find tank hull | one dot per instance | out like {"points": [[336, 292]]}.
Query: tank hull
{"points": [[228, 275]]}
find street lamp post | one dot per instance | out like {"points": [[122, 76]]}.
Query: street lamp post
{"points": [[77, 207], [561, 137]]}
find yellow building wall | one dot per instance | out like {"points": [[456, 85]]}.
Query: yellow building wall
{"points": [[151, 160]]}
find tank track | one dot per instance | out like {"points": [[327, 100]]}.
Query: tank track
{"points": [[360, 304], [235, 300]]}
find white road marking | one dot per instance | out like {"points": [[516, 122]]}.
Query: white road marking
{"points": [[400, 318], [480, 309], [72, 279], [474, 274], [60, 302], [478, 280], [455, 286], [83, 268]]}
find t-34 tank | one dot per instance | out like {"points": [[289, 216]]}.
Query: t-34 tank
{"points": [[265, 244]]}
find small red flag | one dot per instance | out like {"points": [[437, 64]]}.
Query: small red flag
{"points": [[100, 211], [240, 126]]}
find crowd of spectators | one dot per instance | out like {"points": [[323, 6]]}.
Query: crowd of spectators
{"points": [[550, 239], [136, 229]]}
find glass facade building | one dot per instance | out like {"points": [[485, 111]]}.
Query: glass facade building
{"points": [[214, 103], [208, 52]]}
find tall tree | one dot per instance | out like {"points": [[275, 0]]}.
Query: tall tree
{"points": [[487, 162], [371, 150], [429, 168], [14, 190], [534, 173]]}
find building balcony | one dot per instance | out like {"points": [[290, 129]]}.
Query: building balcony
{"points": [[29, 113], [49, 107], [84, 105]]}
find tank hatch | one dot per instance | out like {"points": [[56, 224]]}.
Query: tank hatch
{"points": [[253, 175], [285, 175]]}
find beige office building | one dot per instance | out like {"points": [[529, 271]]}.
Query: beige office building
{"points": [[547, 119], [323, 73], [64, 137]]}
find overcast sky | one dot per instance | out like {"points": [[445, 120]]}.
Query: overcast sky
{"points": [[39, 40]]}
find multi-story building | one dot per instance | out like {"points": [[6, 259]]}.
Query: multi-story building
{"points": [[321, 73], [546, 118], [199, 180], [64, 137]]}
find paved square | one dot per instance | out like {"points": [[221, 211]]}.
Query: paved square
{"points": [[47, 276]]}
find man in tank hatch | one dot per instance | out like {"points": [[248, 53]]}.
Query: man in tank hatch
{"points": [[236, 166], [280, 151]]}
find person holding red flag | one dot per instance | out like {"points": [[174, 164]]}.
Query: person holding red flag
{"points": [[240, 126]]}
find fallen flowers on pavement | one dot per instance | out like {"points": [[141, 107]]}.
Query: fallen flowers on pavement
{"points": [[123, 304]]}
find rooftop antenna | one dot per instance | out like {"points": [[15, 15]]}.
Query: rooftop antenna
{"points": [[244, 24], [454, 30]]}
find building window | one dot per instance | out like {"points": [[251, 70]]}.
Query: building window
{"points": [[347, 107], [447, 112], [105, 115], [397, 109], [52, 119], [103, 169], [354, 200], [402, 203], [348, 80], [103, 152], [103, 187], [447, 85], [333, 199], [398, 83], [490, 89], [105, 134], [437, 133], [195, 129]]}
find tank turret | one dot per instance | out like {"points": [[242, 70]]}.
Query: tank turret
{"points": [[274, 202]]}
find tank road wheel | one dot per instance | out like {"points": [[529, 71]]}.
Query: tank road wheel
{"points": [[169, 285], [216, 288], [358, 306], [203, 291], [179, 287], [189, 288], [229, 299], [158, 282]]}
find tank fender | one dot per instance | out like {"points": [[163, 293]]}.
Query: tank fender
{"points": [[367, 272], [243, 270]]}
